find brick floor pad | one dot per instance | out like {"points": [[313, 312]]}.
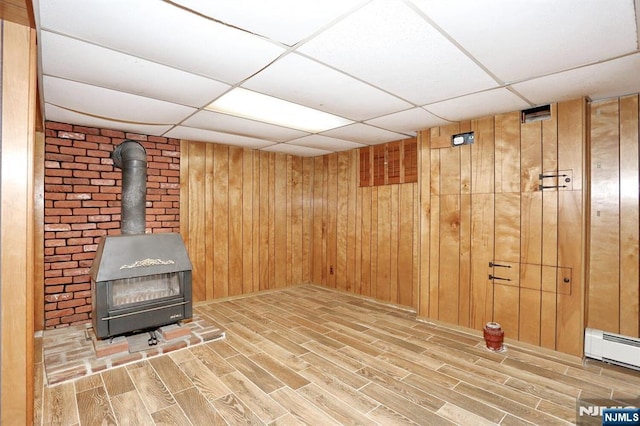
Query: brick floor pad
{"points": [[74, 352]]}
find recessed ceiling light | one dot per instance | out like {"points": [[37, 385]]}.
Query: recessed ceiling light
{"points": [[256, 106]]}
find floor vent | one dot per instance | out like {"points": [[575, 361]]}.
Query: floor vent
{"points": [[612, 348]]}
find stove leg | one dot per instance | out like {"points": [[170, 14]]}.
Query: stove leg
{"points": [[153, 340]]}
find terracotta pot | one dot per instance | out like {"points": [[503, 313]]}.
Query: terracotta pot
{"points": [[493, 336]]}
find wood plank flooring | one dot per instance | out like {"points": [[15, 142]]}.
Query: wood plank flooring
{"points": [[312, 355]]}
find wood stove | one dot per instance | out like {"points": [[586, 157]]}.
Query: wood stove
{"points": [[138, 281]]}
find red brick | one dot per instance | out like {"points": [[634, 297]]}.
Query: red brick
{"points": [[90, 247], [59, 258], [82, 294], [78, 196], [55, 243], [82, 278], [86, 174], [67, 203], [58, 188], [100, 182], [100, 218], [94, 203], [84, 255], [58, 126], [57, 227], [172, 153], [52, 289], [74, 166], [84, 188], [64, 265], [136, 137], [52, 156], [78, 287], [58, 313], [89, 211], [76, 181], [84, 308], [54, 196], [94, 233], [101, 167], [79, 241], [71, 319], [50, 306], [106, 197], [73, 219], [98, 139], [70, 303], [85, 144], [52, 322], [86, 130], [88, 160], [68, 250], [112, 133], [83, 226], [49, 273], [71, 135], [58, 297]]}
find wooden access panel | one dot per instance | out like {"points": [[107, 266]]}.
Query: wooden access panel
{"points": [[504, 240]]}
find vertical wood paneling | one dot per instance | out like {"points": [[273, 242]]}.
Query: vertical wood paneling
{"points": [[197, 219], [319, 254], [307, 218], [247, 215], [507, 152], [233, 201], [614, 284], [393, 244], [571, 151], [281, 219], [424, 201], [629, 217], [342, 219], [18, 58], [482, 247], [449, 267], [366, 246], [221, 221], [383, 272], [507, 219], [331, 172], [406, 258], [236, 254], [296, 220], [604, 278], [352, 234]]}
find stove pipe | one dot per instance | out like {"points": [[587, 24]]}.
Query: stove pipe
{"points": [[131, 157]]}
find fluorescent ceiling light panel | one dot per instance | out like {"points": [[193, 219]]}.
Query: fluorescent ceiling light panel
{"points": [[256, 106]]}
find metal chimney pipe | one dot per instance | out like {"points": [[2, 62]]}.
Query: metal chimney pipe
{"points": [[131, 157]]}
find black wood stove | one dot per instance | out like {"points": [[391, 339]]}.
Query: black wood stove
{"points": [[138, 281]]}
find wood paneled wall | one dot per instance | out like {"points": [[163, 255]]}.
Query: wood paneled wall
{"points": [[365, 239], [17, 254], [257, 220], [482, 204], [614, 283], [246, 218]]}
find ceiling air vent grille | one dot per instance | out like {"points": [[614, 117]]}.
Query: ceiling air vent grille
{"points": [[536, 114]]}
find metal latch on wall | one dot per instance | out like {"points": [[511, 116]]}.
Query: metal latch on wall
{"points": [[563, 178]]}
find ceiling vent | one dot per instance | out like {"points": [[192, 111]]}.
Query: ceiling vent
{"points": [[536, 114]]}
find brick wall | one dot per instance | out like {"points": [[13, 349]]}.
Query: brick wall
{"points": [[82, 204]]}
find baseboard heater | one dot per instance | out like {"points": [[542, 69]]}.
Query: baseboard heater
{"points": [[612, 348]]}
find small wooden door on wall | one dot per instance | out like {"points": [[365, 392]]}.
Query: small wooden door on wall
{"points": [[504, 223]]}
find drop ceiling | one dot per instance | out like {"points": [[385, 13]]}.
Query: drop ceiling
{"points": [[388, 67]]}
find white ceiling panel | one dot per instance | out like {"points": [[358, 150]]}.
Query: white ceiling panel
{"points": [[390, 67], [192, 134], [55, 113], [409, 121], [605, 80], [364, 134], [111, 104], [518, 40], [241, 126], [161, 32], [301, 80], [300, 151], [272, 19], [88, 63], [491, 102], [390, 46], [326, 143]]}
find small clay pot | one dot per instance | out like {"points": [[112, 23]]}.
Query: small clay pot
{"points": [[493, 336]]}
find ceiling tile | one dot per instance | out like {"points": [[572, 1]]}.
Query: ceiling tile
{"points": [[88, 63], [365, 134], [241, 126], [301, 80], [110, 104], [390, 46], [272, 19], [55, 113], [164, 33], [326, 143], [477, 105], [409, 121], [517, 40], [192, 134], [300, 151], [605, 80]]}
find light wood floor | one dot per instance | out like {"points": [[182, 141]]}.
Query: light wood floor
{"points": [[312, 355]]}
